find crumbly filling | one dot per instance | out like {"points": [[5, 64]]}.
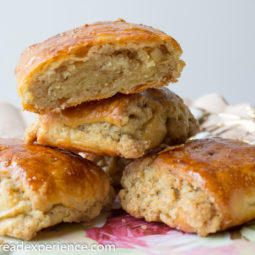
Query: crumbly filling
{"points": [[160, 196], [105, 70]]}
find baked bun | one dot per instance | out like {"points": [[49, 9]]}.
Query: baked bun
{"points": [[94, 62], [41, 187], [201, 187], [123, 125], [113, 166]]}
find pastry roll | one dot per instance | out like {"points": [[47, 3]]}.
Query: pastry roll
{"points": [[41, 187], [201, 187], [123, 125], [93, 62]]}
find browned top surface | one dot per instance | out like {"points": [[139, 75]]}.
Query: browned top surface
{"points": [[49, 176], [222, 167], [112, 109], [77, 41]]}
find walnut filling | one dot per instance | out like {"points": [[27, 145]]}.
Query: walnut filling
{"points": [[157, 195], [19, 219], [105, 70]]}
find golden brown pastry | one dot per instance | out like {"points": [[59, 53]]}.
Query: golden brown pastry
{"points": [[123, 125], [41, 187], [113, 166], [201, 187], [96, 61]]}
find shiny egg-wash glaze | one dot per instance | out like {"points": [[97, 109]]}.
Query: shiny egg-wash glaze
{"points": [[42, 186], [209, 176]]}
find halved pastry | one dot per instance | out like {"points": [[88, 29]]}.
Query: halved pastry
{"points": [[96, 61], [124, 125], [201, 187], [41, 187]]}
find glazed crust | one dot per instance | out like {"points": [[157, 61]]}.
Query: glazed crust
{"points": [[56, 185], [224, 170], [123, 125], [78, 42]]}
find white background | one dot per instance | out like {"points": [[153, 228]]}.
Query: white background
{"points": [[217, 37]]}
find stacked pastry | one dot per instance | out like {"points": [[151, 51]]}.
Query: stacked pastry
{"points": [[98, 91], [126, 126]]}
